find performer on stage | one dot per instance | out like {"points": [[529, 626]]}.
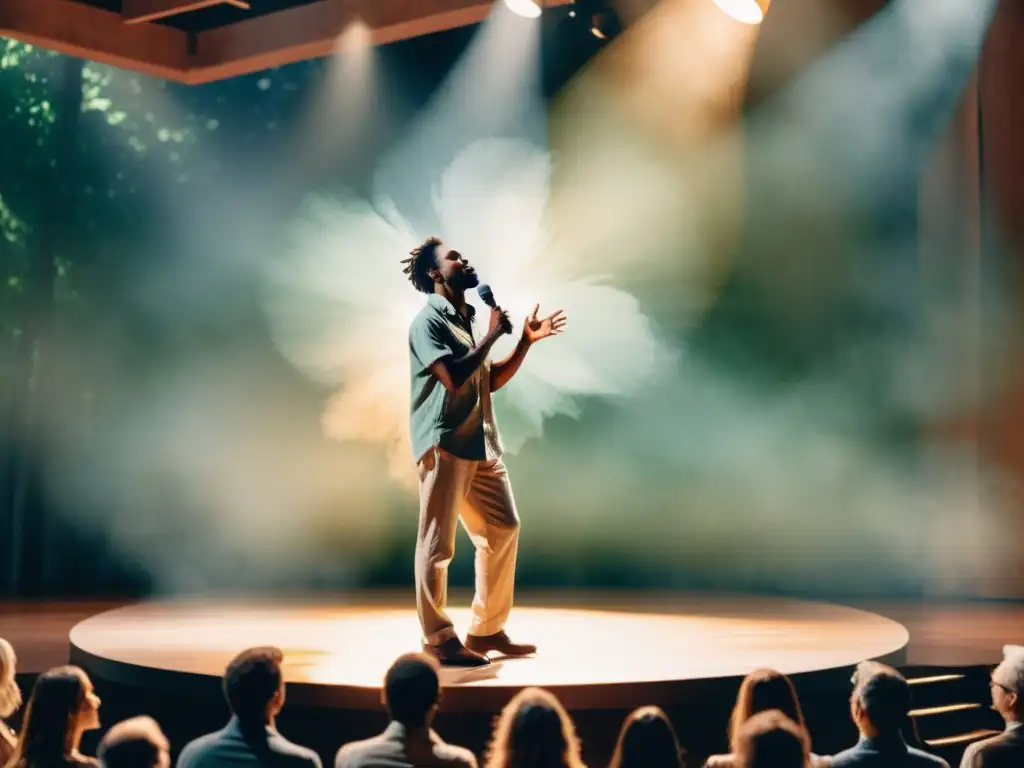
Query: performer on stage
{"points": [[458, 452]]}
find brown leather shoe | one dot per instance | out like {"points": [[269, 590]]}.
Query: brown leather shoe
{"points": [[452, 653], [499, 642]]}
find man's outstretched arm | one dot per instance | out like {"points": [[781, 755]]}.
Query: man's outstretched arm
{"points": [[503, 370], [534, 329]]}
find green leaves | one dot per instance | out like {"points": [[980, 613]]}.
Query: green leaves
{"points": [[12, 229], [100, 105]]}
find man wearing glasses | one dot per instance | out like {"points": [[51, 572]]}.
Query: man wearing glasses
{"points": [[1007, 688]]}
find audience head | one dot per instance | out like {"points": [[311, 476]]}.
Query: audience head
{"points": [[534, 731], [412, 689], [10, 694], [772, 740], [254, 685], [135, 743], [1007, 684], [880, 703], [647, 740], [61, 708], [763, 690]]}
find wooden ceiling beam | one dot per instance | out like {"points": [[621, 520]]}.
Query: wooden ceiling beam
{"points": [[80, 30], [273, 40], [313, 31], [139, 11]]}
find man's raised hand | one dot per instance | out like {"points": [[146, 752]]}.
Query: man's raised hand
{"points": [[535, 328]]}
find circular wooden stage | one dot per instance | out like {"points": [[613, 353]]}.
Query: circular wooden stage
{"points": [[595, 653]]}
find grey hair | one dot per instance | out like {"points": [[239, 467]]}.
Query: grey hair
{"points": [[1012, 668]]}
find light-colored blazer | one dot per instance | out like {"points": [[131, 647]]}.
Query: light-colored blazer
{"points": [[1006, 749]]}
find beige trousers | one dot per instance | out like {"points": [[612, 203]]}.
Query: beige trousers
{"points": [[479, 494]]}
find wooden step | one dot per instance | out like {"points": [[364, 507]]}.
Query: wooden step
{"points": [[962, 739], [948, 719], [942, 710], [937, 690], [951, 708], [916, 681]]}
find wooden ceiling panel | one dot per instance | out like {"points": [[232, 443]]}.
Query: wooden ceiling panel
{"points": [[90, 33], [139, 11], [252, 44]]}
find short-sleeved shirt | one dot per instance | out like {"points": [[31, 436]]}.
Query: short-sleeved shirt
{"points": [[461, 422]]}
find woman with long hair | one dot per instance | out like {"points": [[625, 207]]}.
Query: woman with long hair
{"points": [[534, 731], [761, 691], [10, 700], [61, 708], [772, 740], [647, 740]]}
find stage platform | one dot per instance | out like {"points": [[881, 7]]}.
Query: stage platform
{"points": [[596, 652]]}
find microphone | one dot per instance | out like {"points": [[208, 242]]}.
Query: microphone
{"points": [[486, 295]]}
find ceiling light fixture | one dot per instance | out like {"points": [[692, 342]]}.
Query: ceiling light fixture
{"points": [[745, 11], [525, 8]]}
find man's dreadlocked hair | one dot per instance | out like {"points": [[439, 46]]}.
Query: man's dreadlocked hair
{"points": [[421, 260]]}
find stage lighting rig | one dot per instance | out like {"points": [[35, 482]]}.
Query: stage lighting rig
{"points": [[599, 17], [745, 11], [525, 8]]}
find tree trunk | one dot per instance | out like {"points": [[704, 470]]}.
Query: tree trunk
{"points": [[32, 547]]}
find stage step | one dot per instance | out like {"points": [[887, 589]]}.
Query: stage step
{"points": [[932, 689], [952, 708], [918, 681], [938, 722], [943, 710], [951, 748], [962, 739], [940, 690]]}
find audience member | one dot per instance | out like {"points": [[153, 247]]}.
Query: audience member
{"points": [[135, 743], [762, 690], [1007, 688], [880, 707], [10, 700], [766, 728], [61, 708], [771, 740], [534, 731], [254, 689], [647, 740], [412, 694]]}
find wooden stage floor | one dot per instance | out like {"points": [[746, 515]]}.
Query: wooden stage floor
{"points": [[652, 638], [593, 658], [603, 654]]}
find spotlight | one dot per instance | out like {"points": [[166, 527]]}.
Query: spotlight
{"points": [[597, 17], [745, 11], [527, 8], [604, 25]]}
